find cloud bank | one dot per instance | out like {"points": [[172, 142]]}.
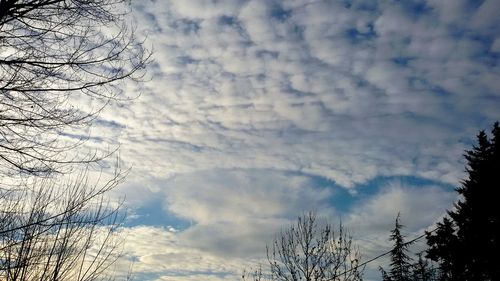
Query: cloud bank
{"points": [[259, 110]]}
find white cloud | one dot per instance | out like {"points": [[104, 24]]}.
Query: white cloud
{"points": [[289, 86], [236, 212], [418, 206], [232, 215], [371, 219], [155, 253], [347, 91]]}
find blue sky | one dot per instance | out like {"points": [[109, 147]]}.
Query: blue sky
{"points": [[256, 111]]}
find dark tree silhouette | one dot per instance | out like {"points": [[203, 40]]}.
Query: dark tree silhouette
{"points": [[311, 251], [423, 270], [401, 263], [466, 245], [444, 249], [53, 52]]}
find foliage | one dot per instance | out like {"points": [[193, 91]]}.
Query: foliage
{"points": [[402, 266], [423, 270], [466, 245], [400, 260]]}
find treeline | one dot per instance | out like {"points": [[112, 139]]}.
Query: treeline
{"points": [[465, 243], [463, 246]]}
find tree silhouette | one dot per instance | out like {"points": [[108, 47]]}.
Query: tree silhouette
{"points": [[444, 249], [60, 65], [58, 232], [53, 53], [466, 245], [311, 251], [400, 260], [422, 270]]}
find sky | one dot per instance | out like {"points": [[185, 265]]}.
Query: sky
{"points": [[254, 112]]}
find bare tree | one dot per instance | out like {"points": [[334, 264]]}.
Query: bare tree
{"points": [[311, 251], [55, 232], [53, 53]]}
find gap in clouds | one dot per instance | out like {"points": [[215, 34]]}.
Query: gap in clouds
{"points": [[233, 214]]}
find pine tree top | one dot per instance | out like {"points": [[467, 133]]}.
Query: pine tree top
{"points": [[466, 245]]}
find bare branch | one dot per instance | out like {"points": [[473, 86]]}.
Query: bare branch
{"points": [[53, 53], [311, 251]]}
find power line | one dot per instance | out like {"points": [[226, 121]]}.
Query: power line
{"points": [[381, 255]]}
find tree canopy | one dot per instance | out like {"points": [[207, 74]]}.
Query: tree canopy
{"points": [[400, 260], [466, 243]]}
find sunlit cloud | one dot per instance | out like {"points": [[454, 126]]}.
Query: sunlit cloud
{"points": [[256, 111]]}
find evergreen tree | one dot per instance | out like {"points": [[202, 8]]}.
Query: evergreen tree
{"points": [[444, 248], [385, 276], [400, 261], [422, 271], [466, 245]]}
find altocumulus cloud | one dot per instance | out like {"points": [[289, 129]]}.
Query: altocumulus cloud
{"points": [[259, 110]]}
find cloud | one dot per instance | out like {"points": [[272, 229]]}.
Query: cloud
{"points": [[155, 253], [228, 195], [250, 102], [236, 212], [233, 214], [287, 86], [371, 218], [417, 205]]}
